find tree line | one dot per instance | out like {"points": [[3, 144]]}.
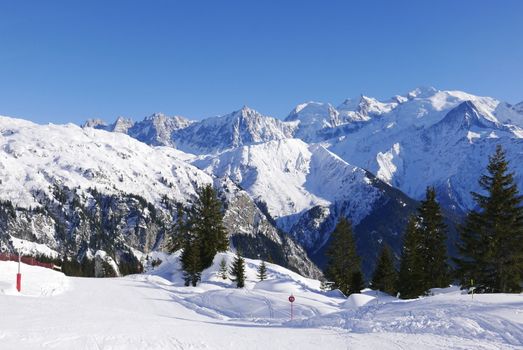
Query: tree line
{"points": [[490, 247], [200, 233]]}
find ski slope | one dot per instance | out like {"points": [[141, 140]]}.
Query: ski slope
{"points": [[155, 311]]}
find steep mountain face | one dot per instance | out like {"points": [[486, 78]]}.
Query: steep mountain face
{"points": [[306, 189], [243, 127], [157, 129], [81, 191]]}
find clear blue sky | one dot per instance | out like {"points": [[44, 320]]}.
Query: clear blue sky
{"points": [[66, 61]]}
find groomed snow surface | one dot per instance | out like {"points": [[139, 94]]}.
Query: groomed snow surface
{"points": [[155, 311]]}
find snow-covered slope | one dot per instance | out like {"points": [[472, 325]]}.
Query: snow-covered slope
{"points": [[155, 311], [290, 177], [35, 158], [306, 188], [313, 117]]}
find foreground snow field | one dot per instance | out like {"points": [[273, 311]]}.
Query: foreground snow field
{"points": [[155, 311]]}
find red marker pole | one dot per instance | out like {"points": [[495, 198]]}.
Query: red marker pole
{"points": [[291, 300], [19, 275]]}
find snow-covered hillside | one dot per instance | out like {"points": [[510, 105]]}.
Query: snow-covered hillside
{"points": [[35, 158], [155, 311], [306, 188], [80, 191], [291, 177]]}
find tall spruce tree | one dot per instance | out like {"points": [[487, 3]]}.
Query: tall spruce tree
{"points": [[238, 271], [433, 232], [206, 221], [343, 261], [491, 245], [385, 275], [411, 274]]}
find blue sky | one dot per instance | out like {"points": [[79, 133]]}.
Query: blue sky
{"points": [[66, 61]]}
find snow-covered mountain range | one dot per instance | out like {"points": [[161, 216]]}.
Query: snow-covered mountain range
{"points": [[81, 190], [405, 141], [365, 159]]}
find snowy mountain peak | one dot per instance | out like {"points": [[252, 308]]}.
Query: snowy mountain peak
{"points": [[313, 117], [94, 123], [121, 124], [242, 127], [156, 115], [465, 116], [422, 92]]}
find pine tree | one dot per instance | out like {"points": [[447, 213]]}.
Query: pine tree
{"points": [[181, 230], [238, 271], [433, 232], [410, 278], [385, 275], [262, 271], [492, 237], [343, 260], [207, 224], [223, 269], [357, 282], [191, 263]]}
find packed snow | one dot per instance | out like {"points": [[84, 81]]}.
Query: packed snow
{"points": [[155, 311]]}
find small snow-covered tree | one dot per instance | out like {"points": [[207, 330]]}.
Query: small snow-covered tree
{"points": [[223, 269], [262, 271], [238, 271]]}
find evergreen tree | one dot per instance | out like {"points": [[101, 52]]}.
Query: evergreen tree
{"points": [[181, 230], [492, 237], [410, 279], [207, 224], [433, 232], [223, 269], [343, 260], [262, 271], [357, 282], [191, 263], [385, 275], [238, 271]]}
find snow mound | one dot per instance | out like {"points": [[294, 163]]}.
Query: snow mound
{"points": [[36, 281], [357, 300]]}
